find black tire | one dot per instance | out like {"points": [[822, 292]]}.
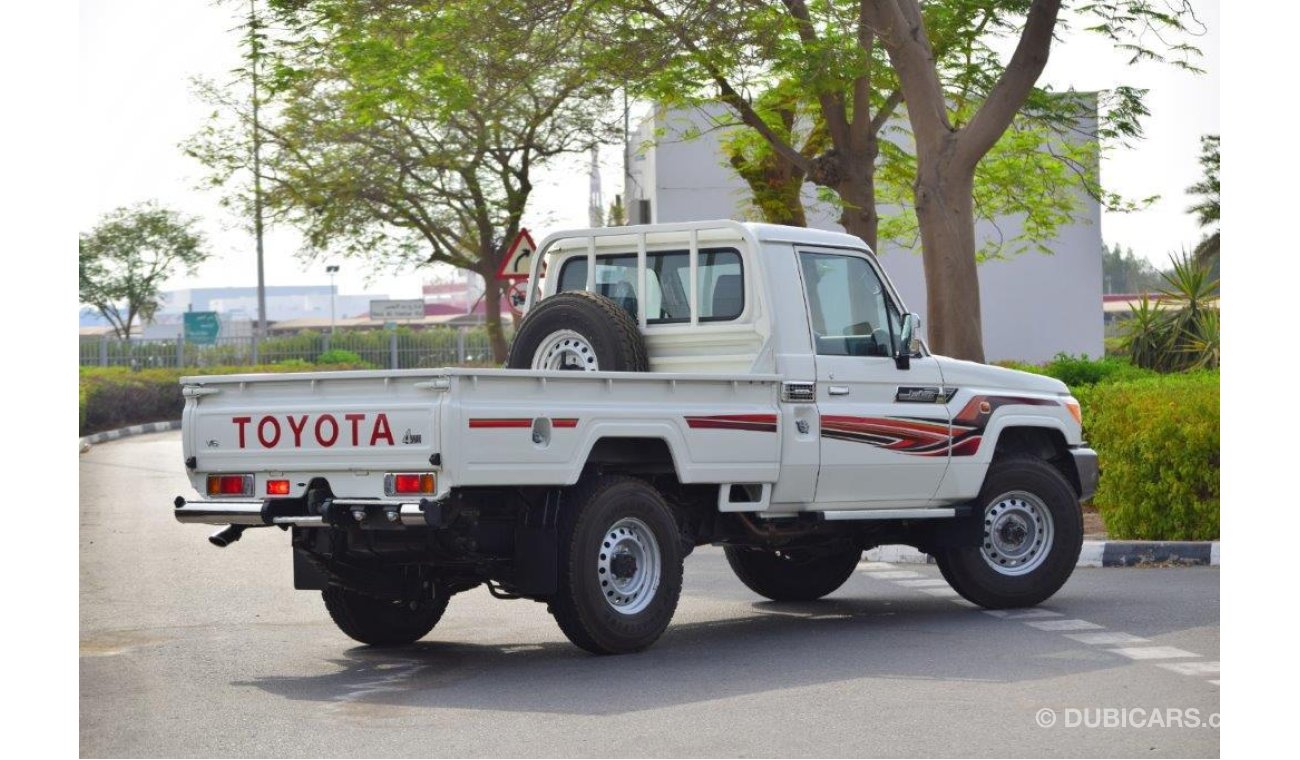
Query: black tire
{"points": [[792, 575], [974, 577], [611, 340], [583, 606], [382, 623]]}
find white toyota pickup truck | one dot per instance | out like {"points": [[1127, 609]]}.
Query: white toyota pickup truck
{"points": [[754, 386]]}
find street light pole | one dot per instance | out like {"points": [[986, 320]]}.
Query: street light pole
{"points": [[259, 331], [332, 270]]}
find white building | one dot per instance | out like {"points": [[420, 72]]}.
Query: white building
{"points": [[1034, 305]]}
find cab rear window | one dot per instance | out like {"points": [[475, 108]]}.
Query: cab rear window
{"points": [[721, 283]]}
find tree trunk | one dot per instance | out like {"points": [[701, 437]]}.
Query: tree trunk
{"points": [[492, 316], [945, 212], [859, 217]]}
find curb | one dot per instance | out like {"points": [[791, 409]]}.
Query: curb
{"points": [[1094, 554], [112, 435]]}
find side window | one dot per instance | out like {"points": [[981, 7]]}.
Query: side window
{"points": [[720, 275], [850, 311]]}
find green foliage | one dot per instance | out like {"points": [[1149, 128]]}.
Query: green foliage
{"points": [[113, 397], [341, 356], [1181, 330], [1158, 443], [1126, 272], [1207, 208], [407, 133], [126, 258], [1076, 371]]}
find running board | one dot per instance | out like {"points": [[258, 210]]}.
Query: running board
{"points": [[891, 514]]}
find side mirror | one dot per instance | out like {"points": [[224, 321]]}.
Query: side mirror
{"points": [[906, 335]]}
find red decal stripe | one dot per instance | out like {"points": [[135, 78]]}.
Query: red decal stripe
{"points": [[763, 423], [519, 422], [500, 423]]}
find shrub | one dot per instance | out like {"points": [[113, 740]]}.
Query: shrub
{"points": [[1158, 441], [340, 356], [1077, 371], [113, 397]]}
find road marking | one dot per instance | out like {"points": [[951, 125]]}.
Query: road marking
{"points": [[1215, 682], [1192, 668], [1063, 625], [1022, 614], [923, 583], [964, 602], [938, 591], [869, 566], [1106, 637], [893, 574], [1153, 653]]}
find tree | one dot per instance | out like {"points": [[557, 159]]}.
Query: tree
{"points": [[955, 128], [1207, 208], [1125, 272], [410, 131], [126, 258], [826, 60]]}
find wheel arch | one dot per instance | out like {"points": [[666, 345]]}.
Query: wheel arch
{"points": [[1043, 441]]}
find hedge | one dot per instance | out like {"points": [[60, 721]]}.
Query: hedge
{"points": [[114, 397], [1157, 439]]}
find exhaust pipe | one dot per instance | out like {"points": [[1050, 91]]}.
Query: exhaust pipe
{"points": [[227, 536]]}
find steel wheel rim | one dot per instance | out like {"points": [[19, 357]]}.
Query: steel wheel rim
{"points": [[1018, 533], [566, 350], [628, 566]]}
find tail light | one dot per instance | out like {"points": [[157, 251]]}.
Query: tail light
{"points": [[277, 487], [405, 483], [230, 485]]}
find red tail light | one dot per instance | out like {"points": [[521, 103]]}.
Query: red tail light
{"points": [[230, 485], [411, 483], [277, 487]]}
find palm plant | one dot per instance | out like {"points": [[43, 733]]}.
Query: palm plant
{"points": [[1168, 339]]}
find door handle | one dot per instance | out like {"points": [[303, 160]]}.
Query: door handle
{"points": [[838, 390]]}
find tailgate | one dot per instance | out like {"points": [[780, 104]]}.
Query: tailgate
{"points": [[312, 422]]}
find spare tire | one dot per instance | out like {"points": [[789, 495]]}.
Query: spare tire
{"points": [[579, 331]]}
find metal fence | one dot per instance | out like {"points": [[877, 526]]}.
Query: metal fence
{"points": [[394, 349]]}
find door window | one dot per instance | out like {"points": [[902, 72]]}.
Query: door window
{"points": [[850, 311]]}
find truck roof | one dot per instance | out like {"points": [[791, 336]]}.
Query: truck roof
{"points": [[565, 240]]}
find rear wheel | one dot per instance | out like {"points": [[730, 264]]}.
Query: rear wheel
{"points": [[579, 331], [379, 622], [792, 575], [1033, 532], [621, 566]]}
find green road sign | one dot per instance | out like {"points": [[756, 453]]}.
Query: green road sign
{"points": [[201, 327]]}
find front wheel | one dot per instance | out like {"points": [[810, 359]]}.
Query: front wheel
{"points": [[792, 575], [379, 622], [1033, 532], [621, 566]]}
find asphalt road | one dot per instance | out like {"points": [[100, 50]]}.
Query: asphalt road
{"points": [[188, 650]]}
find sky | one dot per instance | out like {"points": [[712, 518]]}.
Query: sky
{"points": [[137, 59]]}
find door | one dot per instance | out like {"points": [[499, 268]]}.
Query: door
{"points": [[884, 431]]}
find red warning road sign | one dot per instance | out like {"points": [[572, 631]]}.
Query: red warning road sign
{"points": [[520, 256]]}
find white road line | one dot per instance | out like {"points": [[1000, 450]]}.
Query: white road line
{"points": [[1153, 653], [963, 602], [938, 591], [1063, 625], [893, 574], [1199, 668], [1106, 638], [923, 583], [1022, 614], [1215, 682], [870, 566]]}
